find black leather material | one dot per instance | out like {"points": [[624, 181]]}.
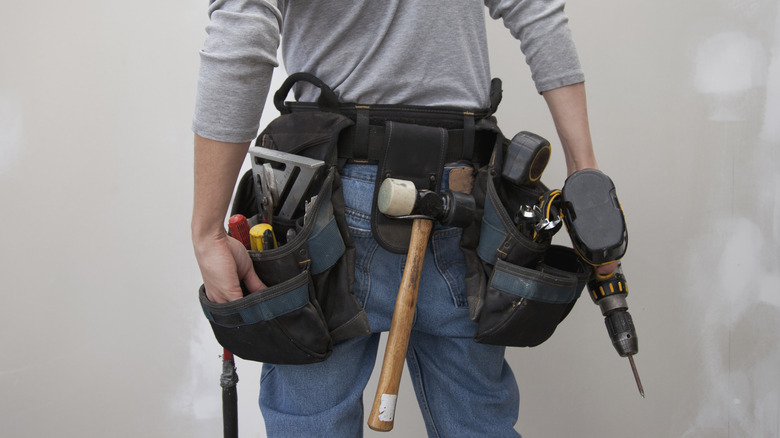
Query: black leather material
{"points": [[519, 289], [414, 153], [309, 304]]}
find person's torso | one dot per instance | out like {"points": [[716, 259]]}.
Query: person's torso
{"points": [[412, 52]]}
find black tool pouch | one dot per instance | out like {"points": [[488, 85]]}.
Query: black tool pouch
{"points": [[520, 289], [282, 324], [309, 304]]}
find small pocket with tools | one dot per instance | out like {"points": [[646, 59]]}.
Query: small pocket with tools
{"points": [[285, 323], [300, 243], [531, 285]]}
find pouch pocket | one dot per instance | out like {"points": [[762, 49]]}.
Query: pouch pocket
{"points": [[283, 324], [496, 238], [332, 259], [523, 306], [318, 231], [499, 238], [324, 230], [279, 324], [531, 285], [287, 323]]}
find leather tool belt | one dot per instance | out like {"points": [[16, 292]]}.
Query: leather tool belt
{"points": [[519, 290], [404, 141]]}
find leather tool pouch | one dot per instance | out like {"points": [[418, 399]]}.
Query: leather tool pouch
{"points": [[414, 153], [520, 289], [284, 323], [309, 303]]}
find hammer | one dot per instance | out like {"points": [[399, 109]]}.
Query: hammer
{"points": [[400, 199]]}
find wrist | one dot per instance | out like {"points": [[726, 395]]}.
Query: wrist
{"points": [[205, 233], [574, 165]]}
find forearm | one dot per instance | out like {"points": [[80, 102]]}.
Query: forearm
{"points": [[216, 169], [569, 111]]}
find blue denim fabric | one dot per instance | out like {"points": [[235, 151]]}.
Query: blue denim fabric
{"points": [[464, 389]]}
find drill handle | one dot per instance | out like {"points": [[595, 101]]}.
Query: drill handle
{"points": [[601, 287]]}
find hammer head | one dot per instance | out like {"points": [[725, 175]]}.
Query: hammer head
{"points": [[399, 198], [396, 197]]}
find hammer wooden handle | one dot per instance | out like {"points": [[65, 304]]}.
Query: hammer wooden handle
{"points": [[383, 411]]}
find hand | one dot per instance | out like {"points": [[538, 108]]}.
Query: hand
{"points": [[607, 270], [224, 263]]}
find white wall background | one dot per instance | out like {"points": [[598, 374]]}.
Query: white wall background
{"points": [[100, 330]]}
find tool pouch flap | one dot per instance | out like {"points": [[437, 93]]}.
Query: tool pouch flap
{"points": [[310, 134], [414, 153]]}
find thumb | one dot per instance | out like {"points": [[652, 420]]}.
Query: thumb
{"points": [[250, 278], [607, 270]]}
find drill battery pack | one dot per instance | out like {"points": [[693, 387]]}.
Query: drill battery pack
{"points": [[594, 217]]}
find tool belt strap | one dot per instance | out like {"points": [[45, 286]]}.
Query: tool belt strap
{"points": [[363, 142], [370, 150]]}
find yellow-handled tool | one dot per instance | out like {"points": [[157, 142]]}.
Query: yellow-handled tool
{"points": [[261, 237]]}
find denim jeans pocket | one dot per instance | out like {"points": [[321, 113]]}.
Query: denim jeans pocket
{"points": [[358, 185], [451, 263]]}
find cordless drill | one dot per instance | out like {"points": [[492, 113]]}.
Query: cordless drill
{"points": [[594, 219], [597, 227]]}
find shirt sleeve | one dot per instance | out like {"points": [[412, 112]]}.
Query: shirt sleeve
{"points": [[236, 65], [545, 39]]}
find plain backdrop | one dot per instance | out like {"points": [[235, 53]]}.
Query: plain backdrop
{"points": [[101, 333]]}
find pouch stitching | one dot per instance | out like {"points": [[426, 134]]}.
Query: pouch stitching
{"points": [[300, 346], [257, 297], [566, 289]]}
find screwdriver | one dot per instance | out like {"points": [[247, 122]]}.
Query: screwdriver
{"points": [[238, 227], [262, 238], [610, 294]]}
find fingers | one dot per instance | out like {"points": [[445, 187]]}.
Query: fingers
{"points": [[220, 277], [244, 268], [223, 263], [218, 294], [607, 270]]}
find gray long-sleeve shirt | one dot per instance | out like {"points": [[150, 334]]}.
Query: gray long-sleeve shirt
{"points": [[415, 52]]}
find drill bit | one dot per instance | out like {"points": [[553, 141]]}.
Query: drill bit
{"points": [[636, 375]]}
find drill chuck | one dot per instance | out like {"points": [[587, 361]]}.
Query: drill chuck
{"points": [[621, 331], [610, 294]]}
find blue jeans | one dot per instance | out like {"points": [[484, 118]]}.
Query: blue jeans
{"points": [[464, 389]]}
